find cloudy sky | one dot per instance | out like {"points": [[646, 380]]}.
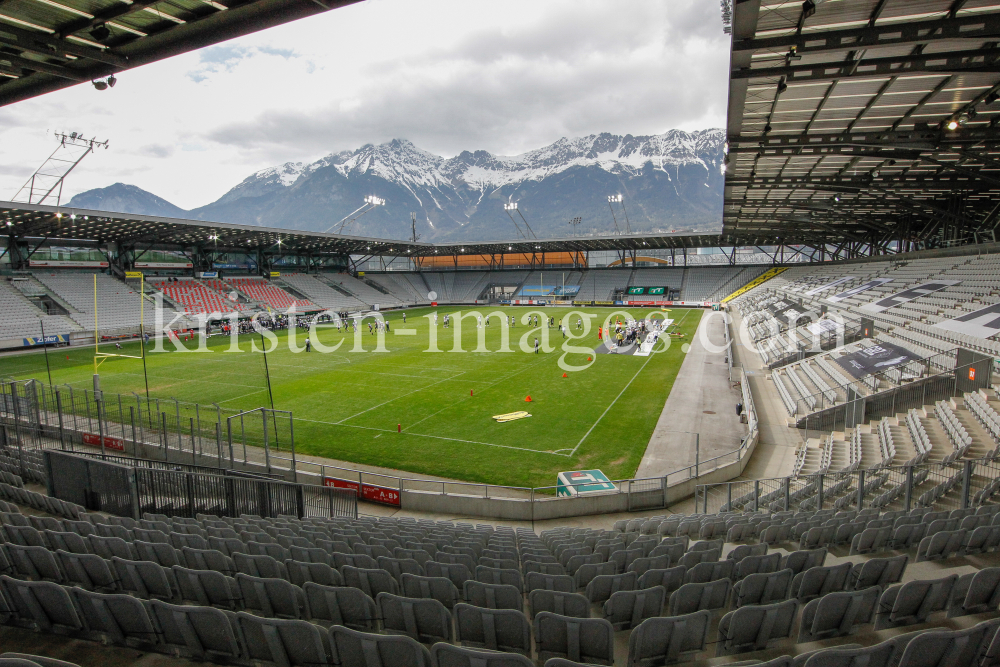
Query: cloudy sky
{"points": [[449, 75]]}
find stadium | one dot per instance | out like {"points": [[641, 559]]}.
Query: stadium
{"points": [[775, 444]]}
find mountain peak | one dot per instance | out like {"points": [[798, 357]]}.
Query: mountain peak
{"points": [[670, 180], [125, 198]]}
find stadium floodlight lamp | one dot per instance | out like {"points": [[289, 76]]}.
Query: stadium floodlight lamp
{"points": [[952, 124], [614, 198], [73, 216], [100, 85], [58, 216], [510, 206]]}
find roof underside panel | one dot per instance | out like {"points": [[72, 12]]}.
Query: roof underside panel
{"points": [[871, 122], [46, 45], [50, 224]]}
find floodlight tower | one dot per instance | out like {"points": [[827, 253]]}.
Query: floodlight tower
{"points": [[371, 202], [47, 181], [618, 199], [575, 222], [512, 206]]}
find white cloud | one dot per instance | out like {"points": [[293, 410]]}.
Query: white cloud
{"points": [[449, 75]]}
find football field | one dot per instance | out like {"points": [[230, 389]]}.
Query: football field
{"points": [[347, 404]]}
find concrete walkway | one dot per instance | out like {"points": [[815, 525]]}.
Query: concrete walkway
{"points": [[703, 401], [775, 453]]}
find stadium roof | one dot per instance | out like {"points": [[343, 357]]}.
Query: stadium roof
{"points": [[60, 225], [858, 124], [46, 45]]}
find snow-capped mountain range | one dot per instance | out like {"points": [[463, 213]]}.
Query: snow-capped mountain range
{"points": [[668, 181]]}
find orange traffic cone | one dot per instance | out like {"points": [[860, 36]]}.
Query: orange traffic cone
{"points": [[589, 359], [564, 375], [470, 392], [527, 399]]}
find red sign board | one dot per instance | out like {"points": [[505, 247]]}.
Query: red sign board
{"points": [[109, 442], [972, 373], [369, 492]]}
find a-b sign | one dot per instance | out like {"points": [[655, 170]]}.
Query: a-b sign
{"points": [[583, 482]]}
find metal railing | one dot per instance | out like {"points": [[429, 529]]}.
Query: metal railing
{"points": [[158, 434], [130, 490], [953, 485]]}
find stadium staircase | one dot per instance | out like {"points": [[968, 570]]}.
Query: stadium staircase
{"points": [[756, 282]]}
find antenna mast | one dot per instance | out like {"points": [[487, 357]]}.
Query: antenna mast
{"points": [[47, 181]]}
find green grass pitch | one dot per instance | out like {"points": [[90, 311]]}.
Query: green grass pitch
{"points": [[347, 405]]}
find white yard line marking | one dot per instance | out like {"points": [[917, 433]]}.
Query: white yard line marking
{"points": [[650, 358], [463, 399], [435, 437], [396, 398]]}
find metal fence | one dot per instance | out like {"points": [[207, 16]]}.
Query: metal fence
{"points": [[132, 431], [956, 485], [129, 490]]}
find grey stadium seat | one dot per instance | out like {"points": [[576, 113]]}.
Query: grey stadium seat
{"points": [[762, 589], [345, 606], [975, 593], [116, 618], [208, 559], [271, 597], [604, 586], [495, 629], [589, 571], [300, 572], [146, 579], [878, 572], [446, 655], [586, 640], [397, 567], [283, 642], [550, 582], [109, 547], [666, 640], [371, 581], [201, 633], [35, 563], [912, 602], [836, 614], [88, 571], [800, 561], [671, 578], [493, 596], [753, 627], [705, 572], [259, 565], [43, 604], [352, 648], [423, 619], [690, 598], [207, 587], [491, 575], [627, 609], [818, 581], [558, 602], [437, 588], [941, 648], [456, 572]]}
